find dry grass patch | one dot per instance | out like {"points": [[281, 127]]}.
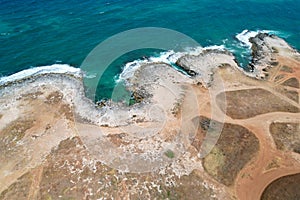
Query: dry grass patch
{"points": [[286, 136], [286, 69], [18, 190], [293, 95], [279, 77], [67, 110], [70, 173], [235, 148], [292, 82], [11, 135], [54, 98], [15, 131], [243, 104], [286, 187]]}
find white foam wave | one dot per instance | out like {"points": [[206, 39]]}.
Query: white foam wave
{"points": [[130, 68], [245, 36], [215, 47], [89, 75], [169, 57], [56, 68]]}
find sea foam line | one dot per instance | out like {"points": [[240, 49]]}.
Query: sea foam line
{"points": [[245, 35], [169, 57], [51, 69]]}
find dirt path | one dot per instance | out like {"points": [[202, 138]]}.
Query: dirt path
{"points": [[270, 164], [36, 179], [254, 178]]}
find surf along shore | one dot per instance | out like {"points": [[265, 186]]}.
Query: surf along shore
{"points": [[56, 143]]}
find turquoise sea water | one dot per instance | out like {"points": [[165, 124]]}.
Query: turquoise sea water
{"points": [[39, 32]]}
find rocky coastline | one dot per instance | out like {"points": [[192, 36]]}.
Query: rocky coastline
{"points": [[204, 134]]}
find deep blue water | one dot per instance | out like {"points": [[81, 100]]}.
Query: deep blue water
{"points": [[40, 32]]}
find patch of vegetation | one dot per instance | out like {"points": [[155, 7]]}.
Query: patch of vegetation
{"points": [[32, 95], [178, 105], [236, 146], [15, 131], [292, 82], [279, 77], [287, 69], [70, 166], [191, 187], [274, 63], [213, 161], [243, 104], [67, 111], [273, 164], [170, 154], [176, 109], [18, 190], [54, 97], [293, 95], [286, 187], [286, 136]]}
